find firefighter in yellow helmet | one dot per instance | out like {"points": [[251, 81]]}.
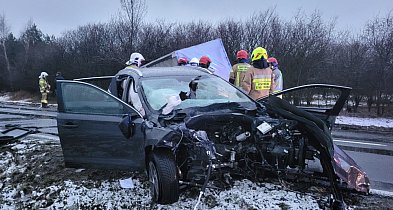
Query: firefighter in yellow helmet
{"points": [[258, 81], [239, 69], [44, 89]]}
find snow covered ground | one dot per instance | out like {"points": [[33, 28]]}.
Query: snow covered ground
{"points": [[32, 176], [377, 122], [7, 98], [4, 97]]}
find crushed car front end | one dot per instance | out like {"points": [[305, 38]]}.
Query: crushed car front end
{"points": [[221, 140]]}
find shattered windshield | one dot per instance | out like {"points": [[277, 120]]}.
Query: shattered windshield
{"points": [[194, 91]]}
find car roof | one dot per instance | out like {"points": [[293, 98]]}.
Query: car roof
{"points": [[165, 71]]}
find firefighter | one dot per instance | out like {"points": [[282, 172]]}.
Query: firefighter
{"points": [[205, 62], [194, 62], [258, 79], [44, 89], [182, 61], [239, 69], [136, 60], [278, 80]]}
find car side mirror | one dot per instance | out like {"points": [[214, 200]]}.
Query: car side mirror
{"points": [[127, 126]]}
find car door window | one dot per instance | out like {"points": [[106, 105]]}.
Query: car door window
{"points": [[317, 97], [86, 99], [326, 98]]}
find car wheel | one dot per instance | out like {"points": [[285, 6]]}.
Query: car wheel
{"points": [[164, 184]]}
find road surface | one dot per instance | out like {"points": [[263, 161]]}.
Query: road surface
{"points": [[373, 151]]}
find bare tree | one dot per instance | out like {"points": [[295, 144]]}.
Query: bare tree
{"points": [[135, 11], [256, 29], [379, 36], [232, 34], [306, 49], [157, 40], [4, 32], [351, 67], [199, 32]]}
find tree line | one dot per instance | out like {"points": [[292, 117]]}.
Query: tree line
{"points": [[308, 49]]}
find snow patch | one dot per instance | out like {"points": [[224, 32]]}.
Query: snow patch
{"points": [[4, 98], [19, 147], [377, 122], [381, 192], [44, 137], [248, 195], [106, 195], [79, 170]]}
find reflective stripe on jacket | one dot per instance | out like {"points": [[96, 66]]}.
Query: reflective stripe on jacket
{"points": [[44, 86], [238, 71], [258, 83]]}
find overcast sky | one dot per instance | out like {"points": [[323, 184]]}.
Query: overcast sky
{"points": [[57, 16]]}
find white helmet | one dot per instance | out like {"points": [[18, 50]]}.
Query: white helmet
{"points": [[43, 75], [194, 62], [136, 59]]}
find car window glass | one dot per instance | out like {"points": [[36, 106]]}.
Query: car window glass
{"points": [[158, 90], [208, 90], [82, 98], [318, 97]]}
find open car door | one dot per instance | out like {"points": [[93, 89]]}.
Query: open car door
{"points": [[322, 100], [88, 124]]}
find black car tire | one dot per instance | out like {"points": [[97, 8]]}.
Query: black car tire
{"points": [[164, 184]]}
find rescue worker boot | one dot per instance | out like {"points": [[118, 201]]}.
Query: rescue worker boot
{"points": [[44, 105]]}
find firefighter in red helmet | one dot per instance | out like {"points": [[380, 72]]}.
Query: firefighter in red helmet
{"points": [[205, 62], [238, 70], [182, 61], [278, 79]]}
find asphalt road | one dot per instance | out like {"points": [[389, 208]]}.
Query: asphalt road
{"points": [[373, 151]]}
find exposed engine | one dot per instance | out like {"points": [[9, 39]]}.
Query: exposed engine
{"points": [[241, 147]]}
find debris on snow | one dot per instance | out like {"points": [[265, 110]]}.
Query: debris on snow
{"points": [[126, 183], [79, 170]]}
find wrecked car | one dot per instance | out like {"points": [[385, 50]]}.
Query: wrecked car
{"points": [[186, 127]]}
